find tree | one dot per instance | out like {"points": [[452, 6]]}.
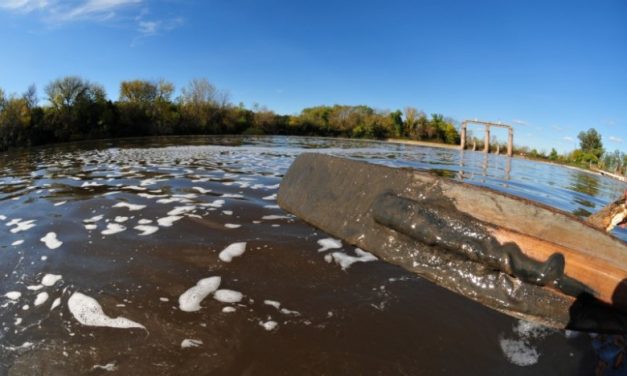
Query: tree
{"points": [[553, 156], [397, 123], [65, 92], [590, 142], [138, 92], [411, 118], [200, 91]]}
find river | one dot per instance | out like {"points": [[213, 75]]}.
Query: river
{"points": [[107, 249]]}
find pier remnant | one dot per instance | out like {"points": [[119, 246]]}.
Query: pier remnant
{"points": [[487, 125]]}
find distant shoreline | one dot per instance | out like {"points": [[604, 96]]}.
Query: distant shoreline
{"points": [[449, 146]]}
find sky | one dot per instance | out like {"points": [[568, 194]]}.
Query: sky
{"points": [[549, 68]]}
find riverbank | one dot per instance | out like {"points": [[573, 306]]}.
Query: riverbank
{"points": [[449, 146]]}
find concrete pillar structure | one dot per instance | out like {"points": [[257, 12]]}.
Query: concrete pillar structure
{"points": [[486, 146]]}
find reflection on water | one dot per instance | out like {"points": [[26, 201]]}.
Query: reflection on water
{"points": [[127, 234], [585, 183]]}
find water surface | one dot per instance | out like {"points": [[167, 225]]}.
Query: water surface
{"points": [[129, 226]]}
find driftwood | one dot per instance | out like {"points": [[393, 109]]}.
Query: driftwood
{"points": [[612, 215]]}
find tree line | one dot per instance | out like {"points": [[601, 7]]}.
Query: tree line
{"points": [[590, 154], [77, 109]]}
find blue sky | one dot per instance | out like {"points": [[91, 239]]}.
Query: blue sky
{"points": [[550, 68]]}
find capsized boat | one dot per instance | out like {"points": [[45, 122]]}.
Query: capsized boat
{"points": [[519, 257]]}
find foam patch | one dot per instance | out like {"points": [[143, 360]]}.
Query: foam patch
{"points": [[190, 300], [87, 311], [232, 251]]}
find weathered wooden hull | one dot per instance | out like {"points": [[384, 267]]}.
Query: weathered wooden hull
{"points": [[397, 214]]}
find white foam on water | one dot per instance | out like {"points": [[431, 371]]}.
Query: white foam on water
{"points": [[274, 217], [120, 219], [91, 226], [272, 303], [328, 258], [228, 296], [18, 242], [148, 195], [25, 307], [286, 311], [145, 221], [51, 241], [22, 226], [13, 222], [214, 204], [233, 250], [181, 210], [55, 303], [13, 295], [50, 279], [269, 325], [190, 300], [113, 228], [168, 221], [227, 212], [232, 225], [345, 261], [519, 353], [109, 367], [18, 321], [270, 198], [173, 199], [34, 287], [188, 342], [150, 181], [272, 206], [60, 203], [146, 229], [134, 188], [186, 195], [164, 299], [131, 207], [41, 298], [3, 218], [228, 309], [88, 184], [329, 243], [93, 219], [231, 195], [521, 350], [88, 311], [201, 190]]}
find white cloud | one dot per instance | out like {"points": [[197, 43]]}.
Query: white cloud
{"points": [[155, 27], [95, 9], [148, 27], [519, 122], [68, 10], [23, 6], [568, 138], [615, 139]]}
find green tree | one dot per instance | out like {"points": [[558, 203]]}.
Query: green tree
{"points": [[553, 156], [590, 142]]}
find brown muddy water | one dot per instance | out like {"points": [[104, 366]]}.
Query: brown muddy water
{"points": [[170, 256]]}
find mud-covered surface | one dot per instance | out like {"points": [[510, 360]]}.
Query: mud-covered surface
{"points": [[109, 255]]}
